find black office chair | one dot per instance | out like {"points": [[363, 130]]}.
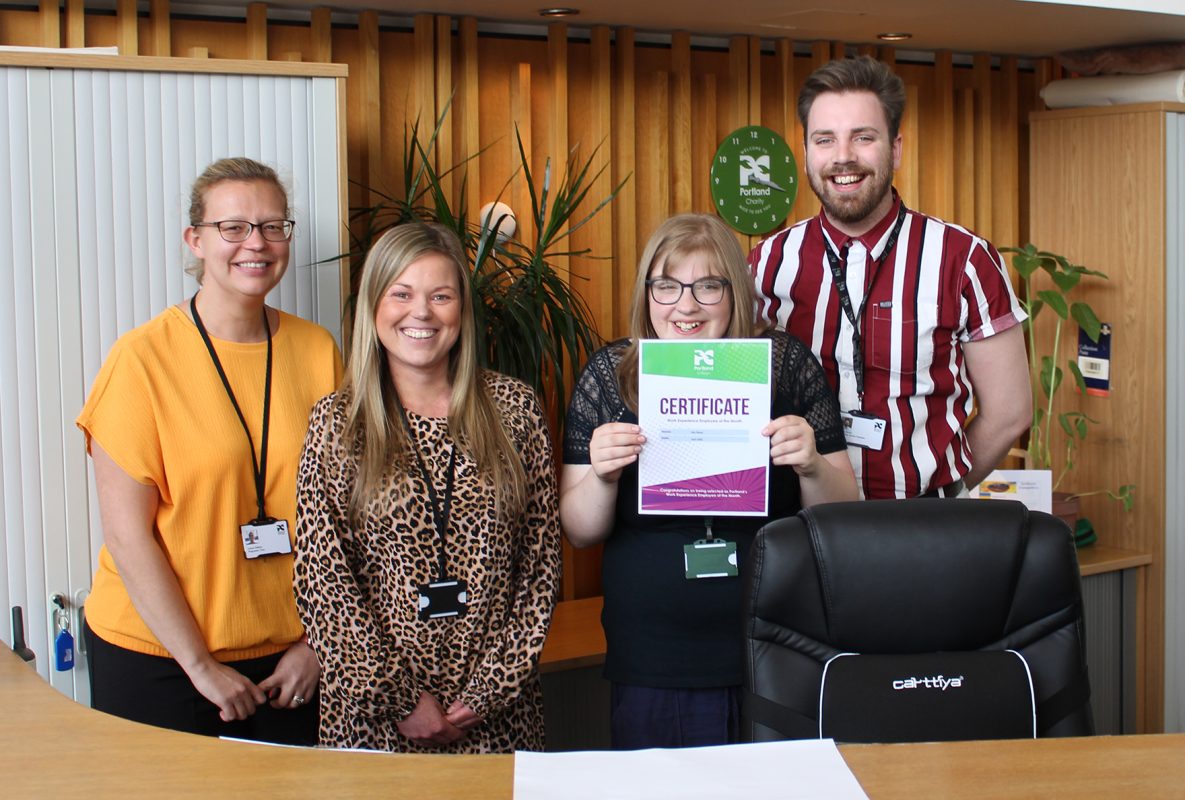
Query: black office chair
{"points": [[925, 591]]}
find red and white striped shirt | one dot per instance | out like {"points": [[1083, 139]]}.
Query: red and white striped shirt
{"points": [[939, 287]]}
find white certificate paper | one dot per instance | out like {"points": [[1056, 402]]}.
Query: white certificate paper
{"points": [[702, 405]]}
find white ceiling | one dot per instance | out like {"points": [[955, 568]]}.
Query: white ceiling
{"points": [[1016, 27]]}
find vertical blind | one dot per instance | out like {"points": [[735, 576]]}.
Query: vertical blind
{"points": [[1174, 383], [95, 167]]}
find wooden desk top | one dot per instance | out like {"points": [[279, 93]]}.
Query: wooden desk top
{"points": [[52, 747]]}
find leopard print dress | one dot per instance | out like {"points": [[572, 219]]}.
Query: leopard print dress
{"points": [[357, 589]]}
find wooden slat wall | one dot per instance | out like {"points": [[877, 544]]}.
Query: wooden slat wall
{"points": [[656, 113]]}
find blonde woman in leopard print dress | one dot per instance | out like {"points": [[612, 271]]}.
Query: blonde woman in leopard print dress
{"points": [[428, 544]]}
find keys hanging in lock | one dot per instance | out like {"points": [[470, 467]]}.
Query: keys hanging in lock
{"points": [[63, 643]]}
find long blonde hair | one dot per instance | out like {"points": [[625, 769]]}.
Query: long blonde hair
{"points": [[677, 239], [371, 396]]}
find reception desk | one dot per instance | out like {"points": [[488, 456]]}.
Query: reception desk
{"points": [[52, 747]]}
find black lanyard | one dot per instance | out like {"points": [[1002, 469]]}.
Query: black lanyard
{"points": [[838, 263], [440, 516], [258, 467]]}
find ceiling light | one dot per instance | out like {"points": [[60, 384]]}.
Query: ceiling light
{"points": [[894, 37], [558, 12]]}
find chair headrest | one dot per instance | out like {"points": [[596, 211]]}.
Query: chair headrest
{"points": [[911, 575]]}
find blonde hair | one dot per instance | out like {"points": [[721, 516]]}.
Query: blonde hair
{"points": [[226, 169], [371, 397], [677, 239]]}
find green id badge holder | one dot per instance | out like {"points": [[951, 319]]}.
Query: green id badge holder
{"points": [[710, 558]]}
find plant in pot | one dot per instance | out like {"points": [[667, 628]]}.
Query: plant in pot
{"points": [[532, 324], [1058, 433]]}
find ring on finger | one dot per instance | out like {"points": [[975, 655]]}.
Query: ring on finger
{"points": [[297, 700]]}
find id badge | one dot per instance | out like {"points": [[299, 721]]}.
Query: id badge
{"points": [[716, 558], [265, 537], [446, 598], [863, 430]]}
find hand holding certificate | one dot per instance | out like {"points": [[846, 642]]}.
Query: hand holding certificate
{"points": [[702, 406]]}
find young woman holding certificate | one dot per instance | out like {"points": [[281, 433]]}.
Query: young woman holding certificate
{"points": [[674, 644]]}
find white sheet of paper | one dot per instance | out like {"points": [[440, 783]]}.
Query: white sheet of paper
{"points": [[1033, 487], [793, 770], [702, 405]]}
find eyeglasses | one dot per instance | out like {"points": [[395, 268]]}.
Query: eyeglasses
{"points": [[239, 230], [706, 291]]}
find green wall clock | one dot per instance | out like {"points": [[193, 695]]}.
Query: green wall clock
{"points": [[754, 179]]}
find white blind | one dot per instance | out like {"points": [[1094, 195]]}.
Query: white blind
{"points": [[1174, 518], [97, 166]]}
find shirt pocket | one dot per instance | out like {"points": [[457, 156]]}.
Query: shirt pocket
{"points": [[882, 323]]}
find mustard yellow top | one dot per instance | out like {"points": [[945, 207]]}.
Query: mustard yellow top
{"points": [[159, 409]]}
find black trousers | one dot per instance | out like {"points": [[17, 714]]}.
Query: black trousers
{"points": [[156, 691]]}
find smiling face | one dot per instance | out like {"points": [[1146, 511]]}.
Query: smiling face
{"points": [[247, 270], [850, 159], [688, 318], [418, 319]]}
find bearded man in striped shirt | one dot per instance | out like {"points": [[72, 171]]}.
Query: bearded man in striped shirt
{"points": [[913, 319]]}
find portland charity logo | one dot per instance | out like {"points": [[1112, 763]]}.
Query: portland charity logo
{"points": [[704, 359], [755, 169]]}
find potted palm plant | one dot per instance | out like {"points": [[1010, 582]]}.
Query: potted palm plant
{"points": [[1057, 433], [531, 323]]}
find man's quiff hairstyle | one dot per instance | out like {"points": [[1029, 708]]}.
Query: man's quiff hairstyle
{"points": [[862, 74]]}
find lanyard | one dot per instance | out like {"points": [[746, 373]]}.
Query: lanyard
{"points": [[440, 516], [258, 467], [838, 263]]}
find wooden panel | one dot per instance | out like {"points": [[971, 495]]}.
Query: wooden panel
{"points": [[625, 207], [520, 114], [321, 34], [754, 115], [76, 24], [443, 78], [681, 160], [906, 178], [423, 98], [965, 159], [709, 137], [257, 31], [1006, 156], [468, 112], [600, 290], [738, 82], [982, 69], [51, 24], [820, 54], [557, 62], [160, 27], [654, 189], [127, 27], [371, 116], [941, 152], [1125, 238]]}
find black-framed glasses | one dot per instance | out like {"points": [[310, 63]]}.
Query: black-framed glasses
{"points": [[239, 230], [706, 291]]}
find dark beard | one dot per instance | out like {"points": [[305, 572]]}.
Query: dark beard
{"points": [[852, 210]]}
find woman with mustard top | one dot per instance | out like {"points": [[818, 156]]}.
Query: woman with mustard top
{"points": [[195, 424]]}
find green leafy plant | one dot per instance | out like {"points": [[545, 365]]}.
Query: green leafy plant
{"points": [[532, 324], [1045, 374]]}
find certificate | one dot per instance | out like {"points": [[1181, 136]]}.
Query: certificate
{"points": [[701, 406]]}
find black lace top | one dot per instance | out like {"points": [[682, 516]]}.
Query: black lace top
{"points": [[661, 629]]}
